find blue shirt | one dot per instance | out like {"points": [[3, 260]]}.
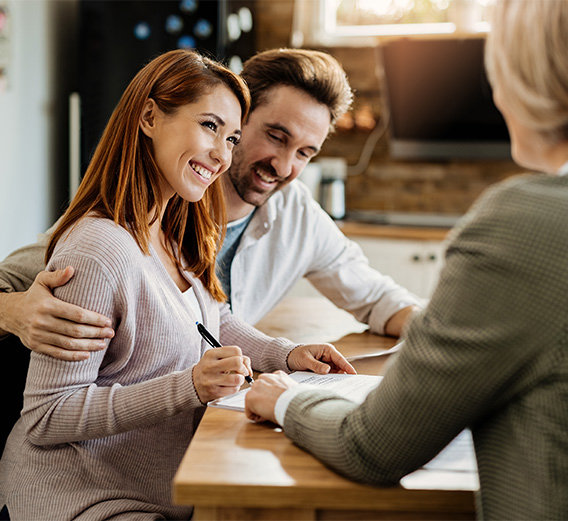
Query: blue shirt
{"points": [[233, 236]]}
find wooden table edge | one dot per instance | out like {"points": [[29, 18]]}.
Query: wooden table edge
{"points": [[363, 497]]}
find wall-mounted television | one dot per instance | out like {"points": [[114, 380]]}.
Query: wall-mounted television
{"points": [[439, 101]]}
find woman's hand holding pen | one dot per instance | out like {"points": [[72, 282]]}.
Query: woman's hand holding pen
{"points": [[220, 372], [319, 358]]}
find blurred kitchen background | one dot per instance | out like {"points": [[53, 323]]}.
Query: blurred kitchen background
{"points": [[421, 143]]}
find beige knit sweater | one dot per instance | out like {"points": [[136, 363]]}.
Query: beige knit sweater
{"points": [[103, 437]]}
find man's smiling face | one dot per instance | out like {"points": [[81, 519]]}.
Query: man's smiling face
{"points": [[280, 137]]}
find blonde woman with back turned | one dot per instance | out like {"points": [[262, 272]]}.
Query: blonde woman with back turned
{"points": [[490, 352]]}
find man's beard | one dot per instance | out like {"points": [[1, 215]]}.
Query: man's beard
{"points": [[245, 187]]}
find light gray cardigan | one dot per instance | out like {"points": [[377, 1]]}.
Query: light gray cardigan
{"points": [[104, 436]]}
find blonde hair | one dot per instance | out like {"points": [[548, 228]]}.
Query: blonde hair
{"points": [[527, 58]]}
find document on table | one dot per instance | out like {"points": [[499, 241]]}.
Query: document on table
{"points": [[455, 468], [458, 455], [393, 349], [353, 387]]}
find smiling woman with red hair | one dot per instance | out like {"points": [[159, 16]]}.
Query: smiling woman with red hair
{"points": [[123, 180], [101, 438]]}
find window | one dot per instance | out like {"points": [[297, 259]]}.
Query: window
{"points": [[363, 22]]}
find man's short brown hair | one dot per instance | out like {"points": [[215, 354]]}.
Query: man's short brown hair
{"points": [[317, 73]]}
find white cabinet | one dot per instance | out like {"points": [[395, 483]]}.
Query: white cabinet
{"points": [[413, 264]]}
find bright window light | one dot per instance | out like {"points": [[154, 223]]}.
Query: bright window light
{"points": [[342, 19]]}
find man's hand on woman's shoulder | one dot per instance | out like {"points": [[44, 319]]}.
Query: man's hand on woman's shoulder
{"points": [[48, 325]]}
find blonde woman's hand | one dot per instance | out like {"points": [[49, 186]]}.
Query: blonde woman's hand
{"points": [[263, 395]]}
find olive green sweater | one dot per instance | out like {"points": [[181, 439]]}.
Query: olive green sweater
{"points": [[490, 352]]}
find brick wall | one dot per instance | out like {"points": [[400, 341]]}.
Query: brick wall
{"points": [[386, 184]]}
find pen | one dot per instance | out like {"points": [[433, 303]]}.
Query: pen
{"points": [[213, 342]]}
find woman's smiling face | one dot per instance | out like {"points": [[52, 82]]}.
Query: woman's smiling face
{"points": [[193, 146]]}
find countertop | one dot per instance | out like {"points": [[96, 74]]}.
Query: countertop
{"points": [[387, 231]]}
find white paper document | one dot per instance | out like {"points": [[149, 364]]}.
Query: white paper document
{"points": [[455, 468], [393, 349], [353, 387], [457, 456]]}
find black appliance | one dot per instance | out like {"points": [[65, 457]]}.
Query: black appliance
{"points": [[118, 37]]}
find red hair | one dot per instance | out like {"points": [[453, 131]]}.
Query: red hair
{"points": [[122, 180]]}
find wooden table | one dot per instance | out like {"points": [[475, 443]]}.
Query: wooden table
{"points": [[238, 470]]}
